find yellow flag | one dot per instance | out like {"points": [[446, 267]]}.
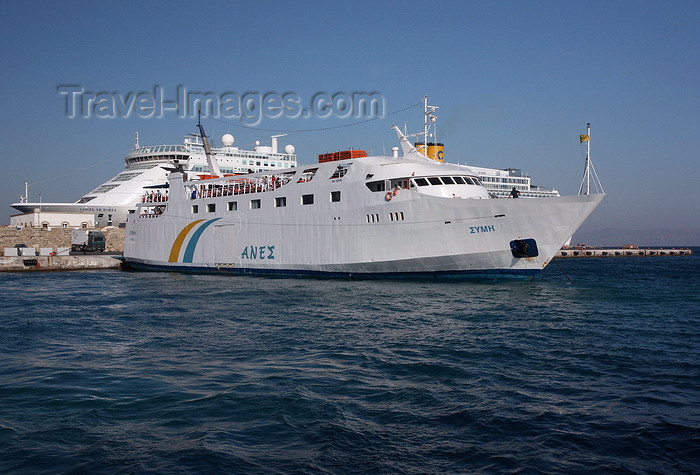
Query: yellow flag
{"points": [[585, 138]]}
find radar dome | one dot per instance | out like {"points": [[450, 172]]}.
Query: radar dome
{"points": [[289, 149], [227, 140]]}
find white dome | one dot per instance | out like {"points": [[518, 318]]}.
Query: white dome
{"points": [[289, 149], [227, 140]]}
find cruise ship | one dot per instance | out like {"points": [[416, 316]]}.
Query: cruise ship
{"points": [[500, 183], [144, 175], [350, 215]]}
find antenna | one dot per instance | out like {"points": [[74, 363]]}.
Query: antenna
{"points": [[589, 173], [137, 140]]}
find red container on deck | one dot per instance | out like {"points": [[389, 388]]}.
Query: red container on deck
{"points": [[344, 155]]}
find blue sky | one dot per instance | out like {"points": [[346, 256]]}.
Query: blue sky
{"points": [[516, 82]]}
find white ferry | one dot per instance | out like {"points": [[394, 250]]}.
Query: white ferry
{"points": [[350, 216]]}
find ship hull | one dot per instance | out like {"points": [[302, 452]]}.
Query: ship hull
{"points": [[412, 236]]}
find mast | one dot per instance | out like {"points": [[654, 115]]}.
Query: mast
{"points": [[429, 118], [211, 160], [588, 159]]}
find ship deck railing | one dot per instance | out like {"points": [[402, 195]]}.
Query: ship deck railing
{"points": [[154, 198], [150, 211], [238, 186]]}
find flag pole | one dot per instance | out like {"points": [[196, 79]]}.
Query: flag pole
{"points": [[585, 188], [588, 159]]}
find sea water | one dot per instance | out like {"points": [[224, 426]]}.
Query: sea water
{"points": [[128, 372]]}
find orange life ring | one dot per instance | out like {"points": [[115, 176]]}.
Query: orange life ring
{"points": [[388, 196]]}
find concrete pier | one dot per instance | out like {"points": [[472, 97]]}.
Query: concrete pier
{"points": [[58, 263]]}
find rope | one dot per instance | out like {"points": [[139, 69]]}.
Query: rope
{"points": [[316, 129], [78, 171]]}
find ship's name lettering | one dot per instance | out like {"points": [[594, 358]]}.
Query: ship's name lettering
{"points": [[258, 252], [481, 229]]}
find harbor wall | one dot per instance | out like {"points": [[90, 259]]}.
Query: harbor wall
{"points": [[620, 252], [56, 237]]}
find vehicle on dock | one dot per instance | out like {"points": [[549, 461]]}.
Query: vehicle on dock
{"points": [[83, 240]]}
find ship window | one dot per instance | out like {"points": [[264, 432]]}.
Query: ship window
{"points": [[104, 189], [434, 180], [448, 180], [307, 175], [280, 201], [211, 207], [376, 185], [421, 182], [476, 181], [335, 196], [403, 183], [195, 208], [459, 180], [307, 199], [254, 204], [341, 171], [232, 205]]}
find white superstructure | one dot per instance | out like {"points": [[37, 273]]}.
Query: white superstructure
{"points": [[376, 216], [146, 168]]}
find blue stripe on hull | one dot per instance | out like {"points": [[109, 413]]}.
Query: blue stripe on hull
{"points": [[437, 275]]}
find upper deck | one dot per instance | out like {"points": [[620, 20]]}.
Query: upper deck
{"points": [[358, 179], [262, 157]]}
